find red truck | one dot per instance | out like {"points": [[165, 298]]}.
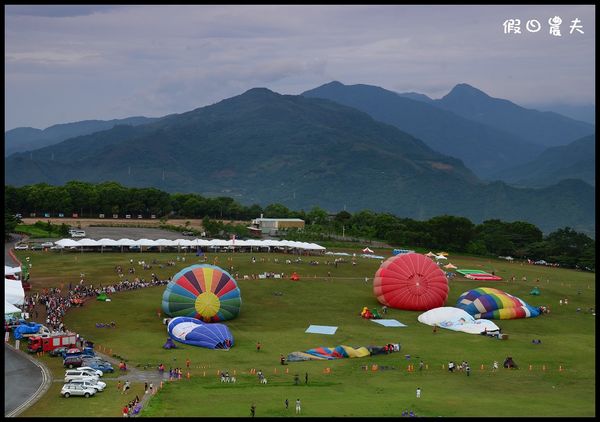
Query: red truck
{"points": [[46, 344]]}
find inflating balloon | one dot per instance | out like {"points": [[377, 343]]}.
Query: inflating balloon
{"points": [[489, 303], [204, 292], [410, 281]]}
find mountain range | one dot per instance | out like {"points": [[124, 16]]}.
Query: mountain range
{"points": [[263, 147], [453, 126], [28, 139], [574, 161]]}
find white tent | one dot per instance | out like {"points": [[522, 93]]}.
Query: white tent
{"points": [[13, 292], [126, 242], [66, 243], [88, 242], [11, 270], [108, 242], [367, 250], [145, 242], [440, 257], [10, 309]]}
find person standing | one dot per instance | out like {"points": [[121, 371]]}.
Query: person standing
{"points": [[287, 403], [252, 410], [468, 370], [306, 378], [418, 392], [298, 407], [258, 346], [146, 387], [421, 364]]}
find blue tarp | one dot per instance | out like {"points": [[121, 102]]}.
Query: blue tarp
{"points": [[26, 328]]}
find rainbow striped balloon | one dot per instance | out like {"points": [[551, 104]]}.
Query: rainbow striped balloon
{"points": [[489, 303], [204, 292]]}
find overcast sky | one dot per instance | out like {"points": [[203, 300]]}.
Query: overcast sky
{"points": [[72, 63]]}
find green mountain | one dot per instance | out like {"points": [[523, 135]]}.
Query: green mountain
{"points": [[482, 148], [28, 139], [263, 147], [573, 161], [543, 128]]}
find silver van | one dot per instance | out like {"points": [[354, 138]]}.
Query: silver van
{"points": [[75, 374]]}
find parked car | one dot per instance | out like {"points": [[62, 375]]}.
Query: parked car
{"points": [[96, 385], [73, 362], [90, 370], [99, 365], [21, 247], [56, 247], [78, 233], [59, 351], [74, 374], [47, 244], [77, 390]]}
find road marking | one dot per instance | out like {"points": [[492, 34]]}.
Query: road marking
{"points": [[44, 386]]}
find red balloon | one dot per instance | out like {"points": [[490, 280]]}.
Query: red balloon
{"points": [[410, 281]]}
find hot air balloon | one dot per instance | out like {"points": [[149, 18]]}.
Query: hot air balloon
{"points": [[194, 332], [489, 303], [410, 281], [204, 292]]}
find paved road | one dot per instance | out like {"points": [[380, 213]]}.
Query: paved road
{"points": [[24, 381]]}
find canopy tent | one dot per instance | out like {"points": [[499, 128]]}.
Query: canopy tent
{"points": [[11, 270], [443, 253], [66, 243], [212, 243], [367, 250], [10, 309], [449, 266], [430, 254], [13, 292]]}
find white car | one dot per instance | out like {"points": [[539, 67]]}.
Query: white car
{"points": [[77, 390], [47, 244], [74, 374], [91, 370], [21, 247], [97, 385], [78, 233]]}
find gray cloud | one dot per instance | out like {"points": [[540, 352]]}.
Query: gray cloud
{"points": [[106, 62]]}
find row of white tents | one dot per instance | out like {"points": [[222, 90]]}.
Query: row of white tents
{"points": [[13, 291], [213, 243]]}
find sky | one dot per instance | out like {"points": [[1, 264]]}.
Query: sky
{"points": [[71, 63]]}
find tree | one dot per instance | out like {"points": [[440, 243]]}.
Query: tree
{"points": [[451, 232]]}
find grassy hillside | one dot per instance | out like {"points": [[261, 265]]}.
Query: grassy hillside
{"points": [[278, 321]]}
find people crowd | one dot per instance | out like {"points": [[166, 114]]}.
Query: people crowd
{"points": [[57, 301]]}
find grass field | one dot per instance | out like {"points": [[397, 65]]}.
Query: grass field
{"points": [[279, 322]]}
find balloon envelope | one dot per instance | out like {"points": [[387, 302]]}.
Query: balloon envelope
{"points": [[194, 332], [489, 303], [410, 281], [204, 292]]}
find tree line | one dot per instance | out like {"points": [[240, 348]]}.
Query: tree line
{"points": [[493, 237]]}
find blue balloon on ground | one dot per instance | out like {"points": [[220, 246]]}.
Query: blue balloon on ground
{"points": [[194, 332]]}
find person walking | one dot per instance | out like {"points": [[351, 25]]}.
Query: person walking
{"points": [[287, 403], [146, 387], [418, 392], [298, 407], [252, 410]]}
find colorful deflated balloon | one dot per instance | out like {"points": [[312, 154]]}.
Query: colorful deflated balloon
{"points": [[205, 292], [410, 281], [194, 332], [489, 303]]}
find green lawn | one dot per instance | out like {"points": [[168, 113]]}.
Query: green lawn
{"points": [[279, 322]]}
